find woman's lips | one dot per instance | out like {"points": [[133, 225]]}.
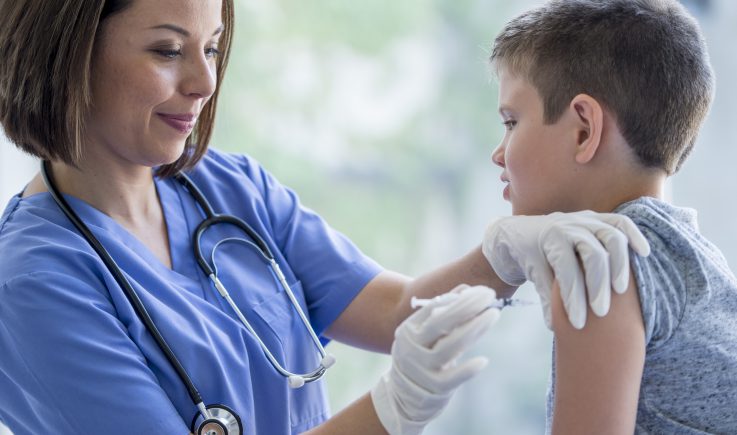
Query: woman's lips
{"points": [[181, 123]]}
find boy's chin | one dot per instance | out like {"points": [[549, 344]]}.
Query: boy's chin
{"points": [[527, 210], [520, 209]]}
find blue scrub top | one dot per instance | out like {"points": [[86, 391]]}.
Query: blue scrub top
{"points": [[75, 358]]}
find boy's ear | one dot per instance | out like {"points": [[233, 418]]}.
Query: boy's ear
{"points": [[590, 117]]}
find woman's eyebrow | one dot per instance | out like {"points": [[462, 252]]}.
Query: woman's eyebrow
{"points": [[182, 31]]}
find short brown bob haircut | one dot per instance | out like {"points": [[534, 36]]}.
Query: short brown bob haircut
{"points": [[644, 60], [46, 50]]}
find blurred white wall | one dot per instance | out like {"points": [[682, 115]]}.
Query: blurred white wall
{"points": [[708, 180], [16, 169]]}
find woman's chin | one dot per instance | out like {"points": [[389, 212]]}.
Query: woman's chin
{"points": [[169, 154]]}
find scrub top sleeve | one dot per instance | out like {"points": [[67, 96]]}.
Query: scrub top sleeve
{"points": [[74, 361], [331, 268]]}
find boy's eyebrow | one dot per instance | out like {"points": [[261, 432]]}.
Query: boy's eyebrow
{"points": [[181, 31], [504, 110]]}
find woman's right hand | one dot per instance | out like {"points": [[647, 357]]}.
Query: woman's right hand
{"points": [[425, 369]]}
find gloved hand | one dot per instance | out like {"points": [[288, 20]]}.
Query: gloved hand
{"points": [[425, 368], [544, 248]]}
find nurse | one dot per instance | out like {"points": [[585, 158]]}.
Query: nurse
{"points": [[120, 95]]}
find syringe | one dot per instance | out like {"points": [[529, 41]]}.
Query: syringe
{"points": [[416, 302]]}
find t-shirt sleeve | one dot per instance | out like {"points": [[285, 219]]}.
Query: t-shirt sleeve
{"points": [[80, 371], [659, 278], [331, 268]]}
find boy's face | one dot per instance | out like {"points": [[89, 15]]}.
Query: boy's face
{"points": [[538, 166]]}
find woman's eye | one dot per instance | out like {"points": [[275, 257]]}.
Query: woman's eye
{"points": [[169, 54], [509, 124], [212, 52]]}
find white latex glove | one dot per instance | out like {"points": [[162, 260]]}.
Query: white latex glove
{"points": [[544, 248], [425, 368]]}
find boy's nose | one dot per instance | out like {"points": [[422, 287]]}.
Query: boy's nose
{"points": [[497, 156]]}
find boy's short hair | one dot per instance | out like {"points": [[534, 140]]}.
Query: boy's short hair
{"points": [[643, 60], [46, 49]]}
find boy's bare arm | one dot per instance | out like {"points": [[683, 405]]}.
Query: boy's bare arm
{"points": [[598, 369]]}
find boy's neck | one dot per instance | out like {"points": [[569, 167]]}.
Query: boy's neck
{"points": [[613, 195], [616, 178]]}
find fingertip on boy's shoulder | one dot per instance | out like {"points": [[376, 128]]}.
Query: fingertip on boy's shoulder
{"points": [[644, 60]]}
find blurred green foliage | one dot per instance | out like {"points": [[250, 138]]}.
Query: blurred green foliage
{"points": [[402, 168], [382, 116]]}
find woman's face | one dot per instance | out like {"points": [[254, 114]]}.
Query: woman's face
{"points": [[153, 70]]}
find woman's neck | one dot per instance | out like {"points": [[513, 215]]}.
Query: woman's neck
{"points": [[125, 194]]}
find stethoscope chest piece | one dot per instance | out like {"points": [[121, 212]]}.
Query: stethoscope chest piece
{"points": [[222, 421]]}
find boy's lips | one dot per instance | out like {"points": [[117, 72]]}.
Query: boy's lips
{"points": [[505, 192]]}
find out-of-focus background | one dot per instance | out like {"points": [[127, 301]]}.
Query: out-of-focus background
{"points": [[382, 116]]}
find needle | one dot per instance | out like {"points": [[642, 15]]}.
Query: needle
{"points": [[498, 303]]}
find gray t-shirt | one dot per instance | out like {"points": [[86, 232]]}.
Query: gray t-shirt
{"points": [[688, 298]]}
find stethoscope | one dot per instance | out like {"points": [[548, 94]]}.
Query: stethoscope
{"points": [[213, 419]]}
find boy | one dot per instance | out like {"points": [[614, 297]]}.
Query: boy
{"points": [[608, 96]]}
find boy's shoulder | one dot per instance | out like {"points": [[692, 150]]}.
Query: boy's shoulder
{"points": [[688, 300], [655, 215], [671, 231], [684, 269]]}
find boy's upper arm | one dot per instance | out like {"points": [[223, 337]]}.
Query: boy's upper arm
{"points": [[598, 369]]}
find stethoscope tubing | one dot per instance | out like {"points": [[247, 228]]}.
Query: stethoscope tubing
{"points": [[211, 218], [122, 281]]}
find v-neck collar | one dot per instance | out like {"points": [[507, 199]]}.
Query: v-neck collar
{"points": [[173, 216], [176, 225]]}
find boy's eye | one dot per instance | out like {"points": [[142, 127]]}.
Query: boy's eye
{"points": [[509, 124]]}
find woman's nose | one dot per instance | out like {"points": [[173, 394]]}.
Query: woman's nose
{"points": [[201, 78]]}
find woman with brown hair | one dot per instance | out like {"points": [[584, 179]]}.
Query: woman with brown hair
{"points": [[108, 322]]}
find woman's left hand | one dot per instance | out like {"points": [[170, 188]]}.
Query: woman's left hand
{"points": [[554, 246]]}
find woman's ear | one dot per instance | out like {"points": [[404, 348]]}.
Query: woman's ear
{"points": [[590, 117]]}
